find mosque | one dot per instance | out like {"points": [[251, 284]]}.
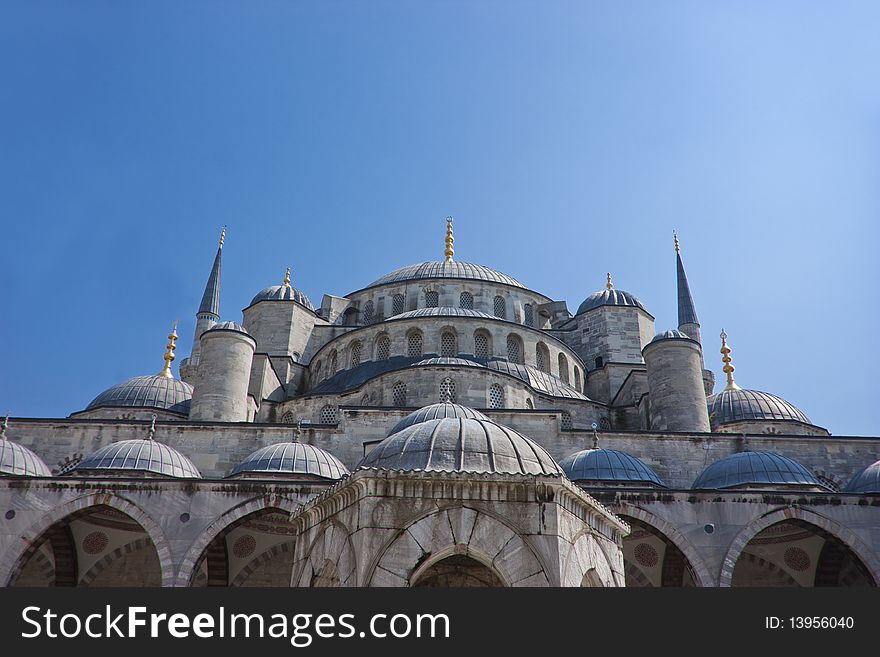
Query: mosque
{"points": [[445, 425]]}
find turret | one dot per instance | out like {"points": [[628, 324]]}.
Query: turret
{"points": [[207, 315], [221, 389], [677, 399], [688, 322]]}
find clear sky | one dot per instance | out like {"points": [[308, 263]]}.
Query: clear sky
{"points": [[567, 139]]}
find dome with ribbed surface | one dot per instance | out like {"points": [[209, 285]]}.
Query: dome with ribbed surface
{"points": [[443, 311], [228, 326], [155, 391], [461, 445], [446, 269], [671, 335], [283, 293], [867, 481], [759, 469], [610, 297], [138, 456], [608, 465], [18, 461], [437, 411], [291, 459], [736, 405], [447, 360]]}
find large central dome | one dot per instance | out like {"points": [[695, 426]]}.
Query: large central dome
{"points": [[446, 269]]}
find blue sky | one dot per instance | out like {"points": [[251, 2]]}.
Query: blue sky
{"points": [[568, 139]]}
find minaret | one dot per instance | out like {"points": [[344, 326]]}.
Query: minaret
{"points": [[688, 322], [207, 315]]}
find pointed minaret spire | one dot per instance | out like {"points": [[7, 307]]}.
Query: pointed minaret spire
{"points": [[211, 298], [688, 322], [450, 240]]}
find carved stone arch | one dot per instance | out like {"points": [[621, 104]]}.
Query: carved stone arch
{"points": [[188, 565], [102, 564], [846, 536], [332, 545], [29, 541], [699, 569], [583, 555], [267, 555]]}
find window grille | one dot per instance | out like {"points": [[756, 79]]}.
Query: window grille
{"points": [[447, 345], [447, 391], [368, 312], [356, 354], [399, 394], [514, 355], [565, 420], [383, 348], [481, 345], [414, 344], [540, 359], [528, 315], [329, 415], [500, 308], [496, 396], [466, 301], [397, 304], [432, 299]]}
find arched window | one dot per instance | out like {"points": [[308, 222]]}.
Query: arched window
{"points": [[482, 345], [529, 403], [329, 415], [397, 303], [542, 357], [565, 420], [447, 345], [447, 390], [318, 366], [496, 396], [500, 307], [399, 394], [528, 315], [577, 379], [349, 317], [604, 424], [383, 347], [355, 357], [563, 367], [288, 418], [414, 344], [432, 299], [466, 301], [598, 362], [514, 349], [368, 312], [334, 363]]}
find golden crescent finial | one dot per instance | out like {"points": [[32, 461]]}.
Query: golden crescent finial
{"points": [[287, 278], [449, 252], [169, 352], [675, 236], [222, 236], [609, 284], [728, 368]]}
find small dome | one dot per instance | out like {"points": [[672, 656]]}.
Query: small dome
{"points": [[446, 269], [292, 459], [18, 461], [444, 360], [443, 311], [737, 405], [283, 293], [671, 335], [437, 411], [608, 465], [154, 391], [461, 445], [755, 469], [144, 456], [228, 326], [610, 297], [867, 481]]}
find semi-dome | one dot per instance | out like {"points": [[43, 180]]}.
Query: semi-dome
{"points": [[437, 411], [755, 469], [283, 293], [141, 456], [671, 335], [738, 404], [18, 461], [867, 481], [291, 459], [461, 445], [610, 297], [443, 311], [228, 326], [446, 269], [447, 360], [154, 391], [608, 465]]}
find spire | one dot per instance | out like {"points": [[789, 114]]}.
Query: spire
{"points": [[687, 313], [169, 352], [449, 252], [211, 298], [728, 368], [286, 282], [608, 283]]}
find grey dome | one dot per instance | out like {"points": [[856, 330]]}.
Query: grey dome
{"points": [[867, 481], [228, 326], [536, 379], [292, 459], [283, 293], [609, 298], [738, 404], [755, 469], [445, 360], [608, 465], [155, 391], [671, 335], [18, 461], [145, 456], [443, 311], [461, 445], [437, 411], [446, 269]]}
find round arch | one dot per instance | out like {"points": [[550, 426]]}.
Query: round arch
{"points": [[327, 546], [457, 551], [844, 535], [17, 555]]}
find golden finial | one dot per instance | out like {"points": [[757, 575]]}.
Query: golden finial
{"points": [[169, 352], [675, 236], [609, 284], [222, 236], [287, 278], [728, 368], [449, 240]]}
